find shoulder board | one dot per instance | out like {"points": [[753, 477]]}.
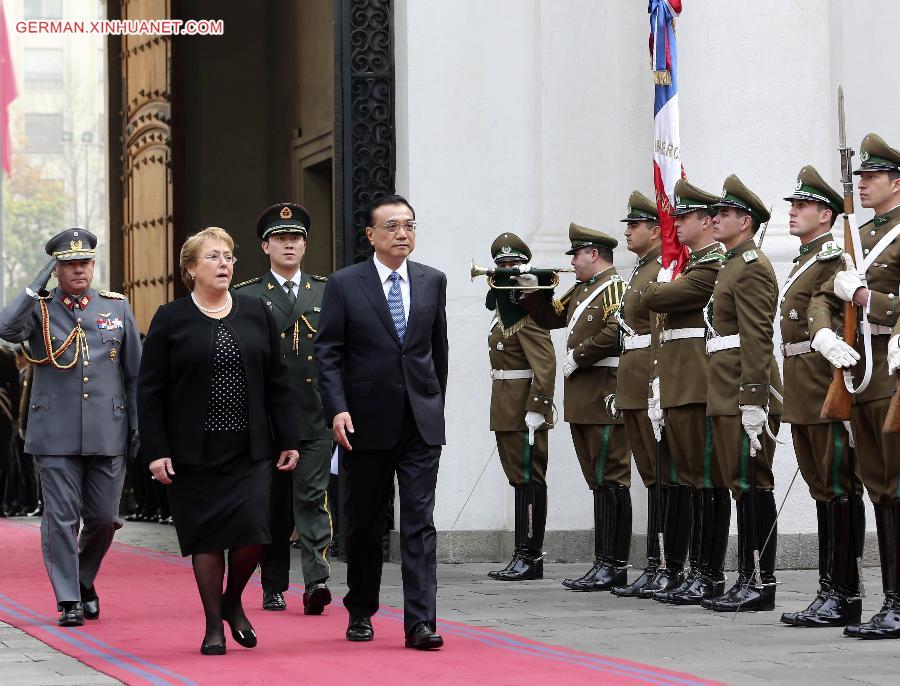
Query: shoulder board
{"points": [[256, 279], [112, 295], [612, 296], [561, 303], [750, 256], [315, 277], [829, 251], [711, 257]]}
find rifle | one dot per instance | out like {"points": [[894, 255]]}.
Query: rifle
{"points": [[838, 399]]}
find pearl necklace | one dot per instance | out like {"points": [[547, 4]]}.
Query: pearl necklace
{"points": [[212, 310]]}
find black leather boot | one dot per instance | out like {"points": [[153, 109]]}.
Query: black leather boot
{"points": [[528, 563], [886, 622], [748, 594], [633, 589], [824, 515], [615, 544], [519, 523], [676, 541], [691, 578], [600, 535]]}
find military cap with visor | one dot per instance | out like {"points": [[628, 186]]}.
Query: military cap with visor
{"points": [[811, 186], [283, 217], [582, 237], [876, 155], [641, 209], [736, 194], [508, 246], [72, 244], [689, 198]]}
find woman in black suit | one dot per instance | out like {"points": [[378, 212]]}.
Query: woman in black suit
{"points": [[214, 411]]}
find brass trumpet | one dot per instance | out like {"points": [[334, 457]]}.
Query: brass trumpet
{"points": [[547, 278]]}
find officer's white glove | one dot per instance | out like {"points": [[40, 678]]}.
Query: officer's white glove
{"points": [[753, 417], [569, 365], [654, 410], [893, 356], [846, 283], [611, 407], [534, 421], [834, 349], [665, 274], [526, 281]]}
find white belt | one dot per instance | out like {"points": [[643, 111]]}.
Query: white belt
{"points": [[791, 349], [607, 362], [636, 341], [719, 343], [504, 374], [679, 334], [881, 330]]}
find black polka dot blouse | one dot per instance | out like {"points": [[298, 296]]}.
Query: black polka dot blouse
{"points": [[228, 395]]}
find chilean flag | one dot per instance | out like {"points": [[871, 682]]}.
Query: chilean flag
{"points": [[667, 168]]}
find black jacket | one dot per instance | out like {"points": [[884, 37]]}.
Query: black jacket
{"points": [[364, 370], [176, 372]]}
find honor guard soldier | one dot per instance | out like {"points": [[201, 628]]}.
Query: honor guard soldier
{"points": [[822, 446], [879, 468], [299, 498], [744, 392], [588, 311], [643, 238], [698, 503], [82, 416], [523, 373]]}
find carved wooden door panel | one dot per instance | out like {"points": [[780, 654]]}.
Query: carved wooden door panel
{"points": [[149, 264]]}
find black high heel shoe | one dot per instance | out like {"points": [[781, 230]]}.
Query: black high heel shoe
{"points": [[244, 637]]}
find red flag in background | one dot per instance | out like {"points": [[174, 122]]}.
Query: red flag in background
{"points": [[8, 90]]}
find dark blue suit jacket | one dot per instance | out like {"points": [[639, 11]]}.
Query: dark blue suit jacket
{"points": [[362, 367]]}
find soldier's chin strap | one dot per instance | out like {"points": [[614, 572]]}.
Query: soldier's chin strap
{"points": [[860, 268]]}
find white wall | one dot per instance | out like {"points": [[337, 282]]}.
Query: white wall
{"points": [[524, 115]]}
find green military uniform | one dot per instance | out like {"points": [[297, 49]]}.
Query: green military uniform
{"points": [[588, 310], [523, 373], [821, 445], [631, 385], [743, 372], [698, 508], [877, 452], [300, 497]]}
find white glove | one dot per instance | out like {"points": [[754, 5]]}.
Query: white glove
{"points": [[654, 410], [665, 274], [534, 421], [893, 355], [834, 349], [526, 281], [569, 365], [611, 407], [846, 283], [753, 417]]}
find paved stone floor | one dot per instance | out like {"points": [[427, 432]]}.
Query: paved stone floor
{"points": [[750, 648]]}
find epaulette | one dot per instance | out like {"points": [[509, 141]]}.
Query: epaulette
{"points": [[112, 295], [829, 251], [750, 256], [612, 296], [255, 279], [560, 304], [315, 277], [711, 257]]}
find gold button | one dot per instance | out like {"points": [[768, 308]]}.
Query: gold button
{"points": [[753, 390], [742, 388], [34, 407], [85, 396], [309, 358], [309, 335], [78, 320], [86, 379], [309, 381], [282, 334], [86, 363]]}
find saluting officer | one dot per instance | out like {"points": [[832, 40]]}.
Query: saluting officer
{"points": [[523, 373], [698, 503], [643, 238], [879, 468], [299, 498], [588, 311], [822, 446], [744, 392], [82, 414]]}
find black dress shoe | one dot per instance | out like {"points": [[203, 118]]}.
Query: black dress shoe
{"points": [[589, 574], [273, 601], [90, 602], [744, 596], [212, 648], [71, 614], [884, 624], [699, 589], [837, 610], [423, 638], [818, 601], [37, 512], [633, 590], [245, 637], [315, 597], [360, 629], [607, 576]]}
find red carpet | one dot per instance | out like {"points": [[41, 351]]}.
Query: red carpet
{"points": [[157, 641]]}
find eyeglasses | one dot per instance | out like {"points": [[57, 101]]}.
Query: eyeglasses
{"points": [[393, 227], [216, 257]]}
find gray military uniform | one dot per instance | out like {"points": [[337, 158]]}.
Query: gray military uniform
{"points": [[78, 423]]}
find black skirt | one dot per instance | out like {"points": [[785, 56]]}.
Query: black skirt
{"points": [[222, 503]]}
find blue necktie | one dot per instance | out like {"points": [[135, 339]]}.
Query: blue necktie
{"points": [[395, 305]]}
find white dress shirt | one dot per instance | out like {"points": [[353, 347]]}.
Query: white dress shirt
{"points": [[384, 274], [295, 278]]}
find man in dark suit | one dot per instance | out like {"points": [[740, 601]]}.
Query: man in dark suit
{"points": [[382, 352]]}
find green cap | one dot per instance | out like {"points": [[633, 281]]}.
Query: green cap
{"points": [[508, 246], [736, 194], [283, 217], [876, 155], [582, 237], [811, 186], [689, 198], [641, 209]]}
